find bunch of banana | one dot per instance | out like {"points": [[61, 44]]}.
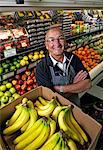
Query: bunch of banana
{"points": [[34, 137], [46, 110], [68, 124], [23, 118]]}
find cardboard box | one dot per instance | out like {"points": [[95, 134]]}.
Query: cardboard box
{"points": [[92, 127]]}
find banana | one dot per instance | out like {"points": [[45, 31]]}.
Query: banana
{"points": [[47, 112], [46, 106], [77, 126], [29, 139], [68, 121], [21, 120], [24, 100], [43, 101], [71, 144], [30, 104], [58, 145], [38, 104], [15, 115], [64, 126], [33, 117], [56, 112], [24, 127], [29, 131], [64, 146], [51, 142], [52, 127], [40, 140]]}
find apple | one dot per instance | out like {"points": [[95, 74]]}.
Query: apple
{"points": [[30, 82], [34, 86], [17, 87], [1, 93], [14, 82], [18, 77], [29, 87], [22, 92], [23, 87], [8, 85], [29, 77], [20, 82], [7, 93], [15, 95], [4, 99], [32, 75], [3, 88], [24, 77], [5, 82], [10, 99], [27, 72], [12, 90]]}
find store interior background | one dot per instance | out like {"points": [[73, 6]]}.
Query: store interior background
{"points": [[82, 27]]}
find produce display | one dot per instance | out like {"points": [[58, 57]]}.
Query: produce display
{"points": [[7, 93], [89, 57], [45, 124], [25, 82], [18, 62]]}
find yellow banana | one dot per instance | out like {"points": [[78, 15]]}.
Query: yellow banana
{"points": [[24, 127], [68, 121], [71, 144], [47, 112], [15, 115], [30, 138], [38, 104], [24, 100], [29, 131], [30, 104], [21, 120], [40, 140], [46, 106], [43, 101], [58, 145], [51, 142], [64, 146], [64, 126], [52, 127], [56, 111], [77, 126], [33, 117]]}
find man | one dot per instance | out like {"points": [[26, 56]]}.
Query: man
{"points": [[62, 71]]}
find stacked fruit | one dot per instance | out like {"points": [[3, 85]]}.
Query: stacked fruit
{"points": [[45, 125], [7, 93], [89, 57], [25, 82], [31, 57]]}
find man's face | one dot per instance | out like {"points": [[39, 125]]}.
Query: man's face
{"points": [[55, 42]]}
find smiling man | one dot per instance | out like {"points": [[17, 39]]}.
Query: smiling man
{"points": [[62, 71]]}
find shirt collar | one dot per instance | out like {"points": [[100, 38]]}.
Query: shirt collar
{"points": [[55, 61]]}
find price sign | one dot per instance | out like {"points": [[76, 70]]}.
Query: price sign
{"points": [[21, 70], [8, 75], [32, 65], [9, 52]]}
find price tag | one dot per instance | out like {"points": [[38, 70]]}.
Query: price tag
{"points": [[9, 52], [8, 75], [21, 70], [32, 65]]}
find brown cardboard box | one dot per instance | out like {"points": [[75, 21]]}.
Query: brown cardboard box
{"points": [[92, 127]]}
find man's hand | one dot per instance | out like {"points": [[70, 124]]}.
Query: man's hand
{"points": [[81, 75]]}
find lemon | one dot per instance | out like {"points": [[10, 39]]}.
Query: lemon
{"points": [[40, 56], [41, 52], [25, 57], [35, 57], [22, 62], [30, 56], [36, 53]]}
